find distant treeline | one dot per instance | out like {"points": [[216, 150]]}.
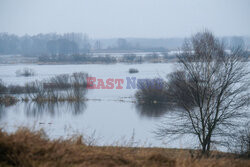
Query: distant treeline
{"points": [[71, 43], [66, 44], [78, 43], [107, 59]]}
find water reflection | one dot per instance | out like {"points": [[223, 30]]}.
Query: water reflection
{"points": [[76, 107], [33, 109], [152, 110]]}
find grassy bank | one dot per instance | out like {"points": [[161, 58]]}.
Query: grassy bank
{"points": [[26, 148]]}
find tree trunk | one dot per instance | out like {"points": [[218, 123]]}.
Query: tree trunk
{"points": [[204, 148]]}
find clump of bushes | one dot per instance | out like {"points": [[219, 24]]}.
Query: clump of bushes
{"points": [[13, 89], [26, 72], [131, 58], [245, 143], [59, 88], [151, 91], [16, 89], [128, 58], [152, 98], [153, 58], [58, 82], [177, 85], [3, 88], [133, 70], [79, 58], [241, 142], [8, 100]]}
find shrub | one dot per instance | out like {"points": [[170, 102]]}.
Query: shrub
{"points": [[16, 89], [241, 142], [133, 70], [26, 72], [3, 88], [129, 58], [154, 58], [106, 59], [59, 88], [8, 100], [58, 82], [79, 84], [151, 91]]}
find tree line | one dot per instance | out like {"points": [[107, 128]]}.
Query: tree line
{"points": [[40, 44]]}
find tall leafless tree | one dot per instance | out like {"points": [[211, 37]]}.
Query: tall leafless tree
{"points": [[211, 89]]}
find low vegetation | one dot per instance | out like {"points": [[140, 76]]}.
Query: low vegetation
{"points": [[152, 98], [240, 142], [106, 59], [153, 58], [78, 58], [59, 88], [8, 100], [3, 88], [133, 70], [151, 91], [32, 148], [26, 72]]}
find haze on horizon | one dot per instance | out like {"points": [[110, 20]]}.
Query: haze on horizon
{"points": [[126, 18]]}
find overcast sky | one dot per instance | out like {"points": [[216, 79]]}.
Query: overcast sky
{"points": [[126, 18]]}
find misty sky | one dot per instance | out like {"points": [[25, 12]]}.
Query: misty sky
{"points": [[126, 18]]}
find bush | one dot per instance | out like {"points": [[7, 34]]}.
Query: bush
{"points": [[152, 98], [177, 86], [154, 58], [106, 59], [133, 70], [8, 100], [79, 85], [16, 89], [3, 88], [151, 91], [26, 72], [59, 88], [129, 58], [58, 82], [241, 142]]}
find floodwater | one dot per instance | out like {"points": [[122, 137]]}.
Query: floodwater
{"points": [[109, 116]]}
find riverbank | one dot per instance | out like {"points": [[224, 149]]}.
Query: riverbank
{"points": [[27, 148]]}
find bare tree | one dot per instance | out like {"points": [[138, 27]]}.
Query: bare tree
{"points": [[210, 87]]}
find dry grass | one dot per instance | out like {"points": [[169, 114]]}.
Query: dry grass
{"points": [[25, 148]]}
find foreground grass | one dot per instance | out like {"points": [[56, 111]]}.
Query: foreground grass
{"points": [[26, 148]]}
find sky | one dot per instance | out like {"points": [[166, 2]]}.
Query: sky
{"points": [[126, 18]]}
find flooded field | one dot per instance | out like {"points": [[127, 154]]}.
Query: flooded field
{"points": [[110, 114]]}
